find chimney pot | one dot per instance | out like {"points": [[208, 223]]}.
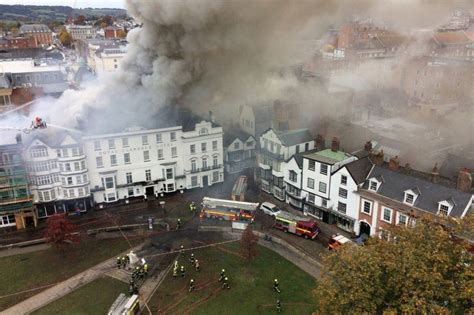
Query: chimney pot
{"points": [[464, 182], [320, 142], [18, 138], [335, 144], [394, 164], [435, 173], [368, 146]]}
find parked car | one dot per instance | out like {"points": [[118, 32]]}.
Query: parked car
{"points": [[270, 209], [338, 240]]}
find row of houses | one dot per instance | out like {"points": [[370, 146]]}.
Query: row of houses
{"points": [[358, 192], [74, 171]]}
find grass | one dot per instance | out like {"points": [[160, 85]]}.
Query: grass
{"points": [[32, 270], [251, 286], [93, 298]]}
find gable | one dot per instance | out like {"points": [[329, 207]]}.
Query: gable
{"points": [[271, 135], [37, 142], [292, 165], [68, 140]]}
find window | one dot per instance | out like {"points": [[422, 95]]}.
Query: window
{"points": [[126, 158], [130, 191], [343, 180], [79, 179], [169, 187], [111, 197], [83, 165], [367, 207], [173, 136], [342, 193], [373, 185], [63, 181], [124, 142], [97, 145], [193, 165], [39, 152], [129, 178], [113, 160], [293, 176], [311, 198], [111, 144], [148, 175], [146, 156], [144, 140], [192, 148], [324, 203], [158, 138], [75, 151], [174, 152], [215, 177], [77, 166], [58, 152], [160, 154], [310, 183], [214, 145], [67, 167], [65, 153], [169, 173], [109, 182], [203, 131], [194, 181], [322, 187], [341, 207], [84, 178], [443, 210], [409, 198], [204, 163], [323, 169], [203, 147], [236, 145], [402, 219], [215, 161], [387, 215], [312, 165], [80, 191]]}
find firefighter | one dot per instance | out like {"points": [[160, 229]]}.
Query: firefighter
{"points": [[124, 262], [183, 271], [196, 265], [137, 272], [278, 305], [191, 259], [276, 286], [141, 273], [175, 272], [222, 275], [226, 284], [178, 224], [192, 207], [119, 262], [191, 285], [145, 269], [181, 249], [131, 289]]}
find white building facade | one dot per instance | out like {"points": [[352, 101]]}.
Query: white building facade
{"points": [[108, 60], [151, 162], [58, 174], [81, 31]]}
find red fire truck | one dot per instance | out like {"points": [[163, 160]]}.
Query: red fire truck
{"points": [[305, 227], [227, 209]]}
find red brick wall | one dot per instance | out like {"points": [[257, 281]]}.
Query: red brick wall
{"points": [[24, 95]]}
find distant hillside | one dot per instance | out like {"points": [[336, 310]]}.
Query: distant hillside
{"points": [[42, 13]]}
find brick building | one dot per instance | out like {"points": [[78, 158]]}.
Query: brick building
{"points": [[40, 32], [18, 42]]}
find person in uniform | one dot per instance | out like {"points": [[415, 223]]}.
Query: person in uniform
{"points": [[278, 306], [192, 259], [183, 271], [191, 285], [196, 265], [276, 286], [222, 275], [178, 224], [145, 269], [119, 262], [226, 283]]}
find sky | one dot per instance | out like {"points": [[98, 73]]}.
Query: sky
{"points": [[70, 3]]}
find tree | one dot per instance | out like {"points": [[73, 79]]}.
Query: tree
{"points": [[80, 20], [121, 34], [248, 244], [423, 270], [65, 37], [60, 232]]}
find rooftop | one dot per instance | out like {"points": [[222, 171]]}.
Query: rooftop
{"points": [[295, 136], [34, 28], [328, 156], [26, 66], [235, 133]]}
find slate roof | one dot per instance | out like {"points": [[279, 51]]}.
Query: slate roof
{"points": [[34, 28], [359, 169], [295, 136], [231, 134], [299, 157], [51, 136], [395, 184]]}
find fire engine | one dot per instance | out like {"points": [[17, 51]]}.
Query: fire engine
{"points": [[227, 209], [287, 222], [124, 305]]}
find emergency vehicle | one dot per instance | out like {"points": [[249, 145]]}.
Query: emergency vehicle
{"points": [[290, 223], [124, 305], [338, 240], [227, 209]]}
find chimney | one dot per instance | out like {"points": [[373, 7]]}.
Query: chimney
{"points": [[464, 182], [211, 116], [377, 158], [435, 173], [394, 164], [335, 144], [368, 146], [18, 138], [320, 142], [408, 168]]}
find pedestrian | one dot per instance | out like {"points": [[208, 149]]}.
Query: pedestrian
{"points": [[178, 224], [119, 262], [145, 269], [183, 271], [222, 275], [278, 305], [226, 283], [191, 285], [276, 286], [192, 259], [196, 265]]}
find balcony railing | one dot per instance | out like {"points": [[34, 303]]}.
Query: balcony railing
{"points": [[204, 169]]}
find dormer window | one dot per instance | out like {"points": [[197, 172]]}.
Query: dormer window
{"points": [[443, 210], [445, 206], [373, 185], [409, 198]]}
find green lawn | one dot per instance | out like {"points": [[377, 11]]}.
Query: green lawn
{"points": [[93, 298], [251, 291], [31, 270]]}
